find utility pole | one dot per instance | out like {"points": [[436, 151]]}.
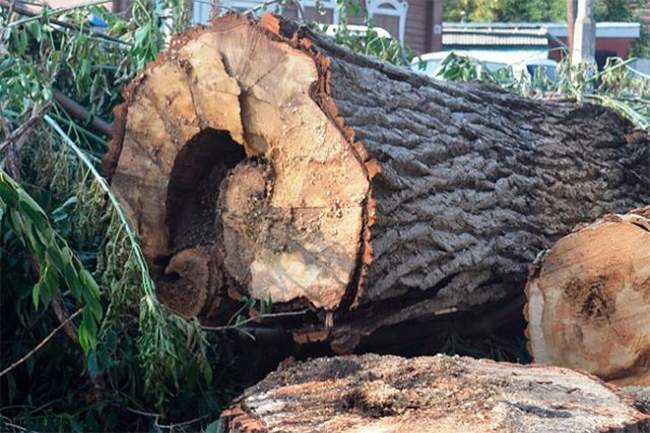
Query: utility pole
{"points": [[584, 36], [571, 10]]}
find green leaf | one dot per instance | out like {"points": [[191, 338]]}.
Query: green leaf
{"points": [[87, 332], [56, 258], [28, 205], [51, 286], [8, 190], [93, 304], [90, 283], [36, 292]]}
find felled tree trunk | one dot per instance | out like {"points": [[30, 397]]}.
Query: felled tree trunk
{"points": [[439, 394], [258, 159], [588, 301]]}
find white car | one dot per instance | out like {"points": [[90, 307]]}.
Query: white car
{"points": [[429, 63], [531, 66]]}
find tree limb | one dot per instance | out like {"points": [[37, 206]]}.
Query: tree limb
{"points": [[80, 112]]}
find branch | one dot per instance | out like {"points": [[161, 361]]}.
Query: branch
{"points": [[26, 126], [29, 13], [40, 345], [80, 112], [54, 12], [253, 319]]}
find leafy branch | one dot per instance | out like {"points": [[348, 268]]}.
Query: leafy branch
{"points": [[616, 86], [58, 266]]}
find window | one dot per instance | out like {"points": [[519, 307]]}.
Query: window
{"points": [[389, 14], [312, 13]]}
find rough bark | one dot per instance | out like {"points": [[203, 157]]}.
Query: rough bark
{"points": [[437, 394], [295, 170], [588, 300]]}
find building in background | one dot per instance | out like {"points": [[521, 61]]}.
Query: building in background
{"points": [[417, 24], [510, 43], [612, 40], [502, 43]]}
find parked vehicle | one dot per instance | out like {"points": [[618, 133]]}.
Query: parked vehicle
{"points": [[531, 66], [430, 63]]}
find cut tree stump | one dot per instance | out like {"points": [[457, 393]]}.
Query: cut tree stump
{"points": [[440, 394], [588, 300], [280, 166]]}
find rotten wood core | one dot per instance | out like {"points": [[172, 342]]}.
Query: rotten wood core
{"points": [[259, 159], [588, 301], [287, 224], [438, 394]]}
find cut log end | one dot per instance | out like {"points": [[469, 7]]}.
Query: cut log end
{"points": [[438, 394], [589, 300], [287, 226]]}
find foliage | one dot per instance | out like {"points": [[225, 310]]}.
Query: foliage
{"points": [[373, 44], [141, 350], [533, 10], [368, 42], [616, 86], [57, 58], [59, 268], [461, 68], [505, 10], [616, 10], [167, 343], [623, 90]]}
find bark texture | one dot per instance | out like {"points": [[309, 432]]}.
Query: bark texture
{"points": [[588, 303], [282, 166], [438, 394]]}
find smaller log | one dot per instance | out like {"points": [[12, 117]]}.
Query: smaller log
{"points": [[440, 394], [588, 300]]}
